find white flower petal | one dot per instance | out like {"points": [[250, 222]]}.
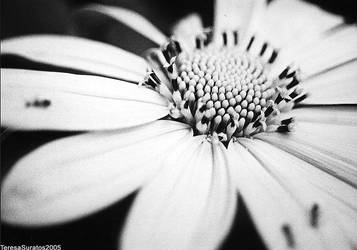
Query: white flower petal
{"points": [[323, 197], [185, 205], [337, 86], [219, 213], [333, 49], [186, 30], [129, 18], [286, 18], [166, 211], [60, 101], [320, 45], [329, 147], [232, 15], [278, 216], [344, 115], [78, 53], [78, 175]]}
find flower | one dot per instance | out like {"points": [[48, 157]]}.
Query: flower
{"points": [[261, 104]]}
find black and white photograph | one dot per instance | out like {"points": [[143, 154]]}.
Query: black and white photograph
{"points": [[178, 125]]}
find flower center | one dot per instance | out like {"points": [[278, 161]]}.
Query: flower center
{"points": [[229, 88], [223, 90]]}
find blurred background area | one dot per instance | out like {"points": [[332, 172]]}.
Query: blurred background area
{"points": [[19, 17], [100, 231], [43, 16]]}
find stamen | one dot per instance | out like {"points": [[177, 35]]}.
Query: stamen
{"points": [[171, 49], [209, 36], [284, 73], [174, 83], [292, 74], [301, 98], [250, 42], [235, 35], [198, 43], [186, 112], [295, 93], [264, 47], [278, 99], [154, 76], [177, 46], [224, 34], [287, 121], [283, 129], [273, 56], [170, 68], [293, 83], [231, 128], [268, 111]]}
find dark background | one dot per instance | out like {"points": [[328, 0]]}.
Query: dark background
{"points": [[101, 230]]}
